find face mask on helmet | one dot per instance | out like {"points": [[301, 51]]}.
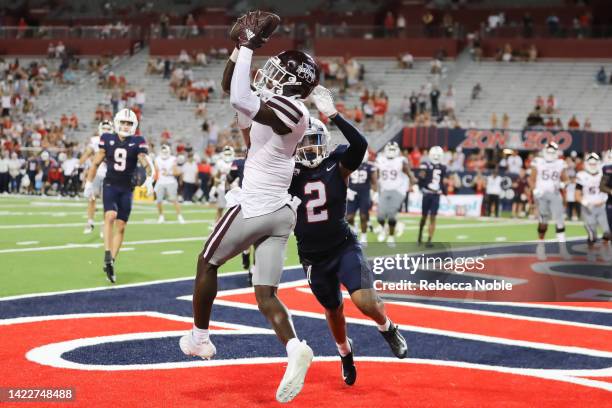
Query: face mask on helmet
{"points": [[314, 147], [228, 154], [592, 163], [551, 152], [126, 123], [435, 154], [105, 126], [289, 73], [391, 150], [165, 152]]}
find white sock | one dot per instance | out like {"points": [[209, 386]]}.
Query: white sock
{"points": [[561, 236], [385, 326], [344, 349], [200, 335], [90, 221], [292, 345]]}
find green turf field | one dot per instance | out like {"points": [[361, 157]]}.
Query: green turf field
{"points": [[43, 248]]}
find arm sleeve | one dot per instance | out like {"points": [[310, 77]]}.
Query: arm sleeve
{"points": [[353, 156], [142, 146], [241, 96]]}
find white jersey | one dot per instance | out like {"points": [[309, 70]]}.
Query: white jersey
{"points": [[165, 167], [589, 185], [222, 169], [94, 144], [390, 174], [268, 169], [548, 178]]}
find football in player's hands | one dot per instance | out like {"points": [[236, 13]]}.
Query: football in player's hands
{"points": [[254, 28], [324, 101]]}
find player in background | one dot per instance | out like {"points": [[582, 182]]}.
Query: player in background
{"points": [[548, 176], [121, 150], [361, 181], [328, 249], [265, 212], [593, 202], [606, 184], [431, 175], [166, 186], [390, 166], [220, 172], [92, 148]]}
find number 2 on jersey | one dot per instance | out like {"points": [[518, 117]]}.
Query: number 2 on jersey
{"points": [[120, 159], [316, 203]]}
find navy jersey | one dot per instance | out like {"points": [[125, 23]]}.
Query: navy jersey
{"points": [[607, 174], [236, 171], [121, 158], [321, 225], [361, 179], [431, 178]]}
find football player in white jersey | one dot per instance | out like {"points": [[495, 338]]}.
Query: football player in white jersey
{"points": [[221, 171], [392, 187], [548, 176], [167, 185], [91, 149], [593, 202], [265, 213]]}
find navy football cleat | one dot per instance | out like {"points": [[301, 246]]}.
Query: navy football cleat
{"points": [[396, 341], [349, 372], [109, 269]]}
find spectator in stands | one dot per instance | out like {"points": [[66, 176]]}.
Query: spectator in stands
{"points": [[550, 123], [434, 96], [558, 124], [422, 98], [587, 124], [457, 162], [535, 120], [505, 121], [436, 67], [6, 103], [449, 102], [141, 98], [539, 103], [527, 25], [400, 25], [51, 50], [573, 123], [414, 100], [493, 192], [551, 104], [493, 121], [60, 50], [532, 53], [405, 60], [601, 76], [428, 23], [507, 53], [552, 22], [389, 24], [405, 108], [476, 90]]}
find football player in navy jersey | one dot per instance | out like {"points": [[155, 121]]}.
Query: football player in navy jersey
{"points": [[328, 249], [361, 182], [121, 150], [431, 176], [606, 184]]}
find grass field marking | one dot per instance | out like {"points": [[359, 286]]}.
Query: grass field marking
{"points": [[126, 285], [177, 252], [28, 242]]}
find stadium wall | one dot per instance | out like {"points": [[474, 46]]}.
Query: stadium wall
{"points": [[580, 141], [385, 47], [554, 47], [79, 46], [171, 47]]}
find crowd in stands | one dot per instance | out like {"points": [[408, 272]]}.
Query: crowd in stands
{"points": [[545, 115]]}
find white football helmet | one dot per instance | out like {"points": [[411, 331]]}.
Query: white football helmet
{"points": [[551, 152], [62, 157], [180, 159], [436, 154], [165, 151], [44, 155], [392, 150], [314, 146], [228, 154], [106, 126], [125, 122], [592, 163]]}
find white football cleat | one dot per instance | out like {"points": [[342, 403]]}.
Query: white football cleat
{"points": [[381, 236], [204, 349], [181, 220], [391, 241], [88, 229], [363, 239], [541, 251], [161, 219], [293, 380], [399, 229]]}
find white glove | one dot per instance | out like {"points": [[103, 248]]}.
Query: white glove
{"points": [[324, 101], [148, 184], [350, 194], [88, 190]]}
